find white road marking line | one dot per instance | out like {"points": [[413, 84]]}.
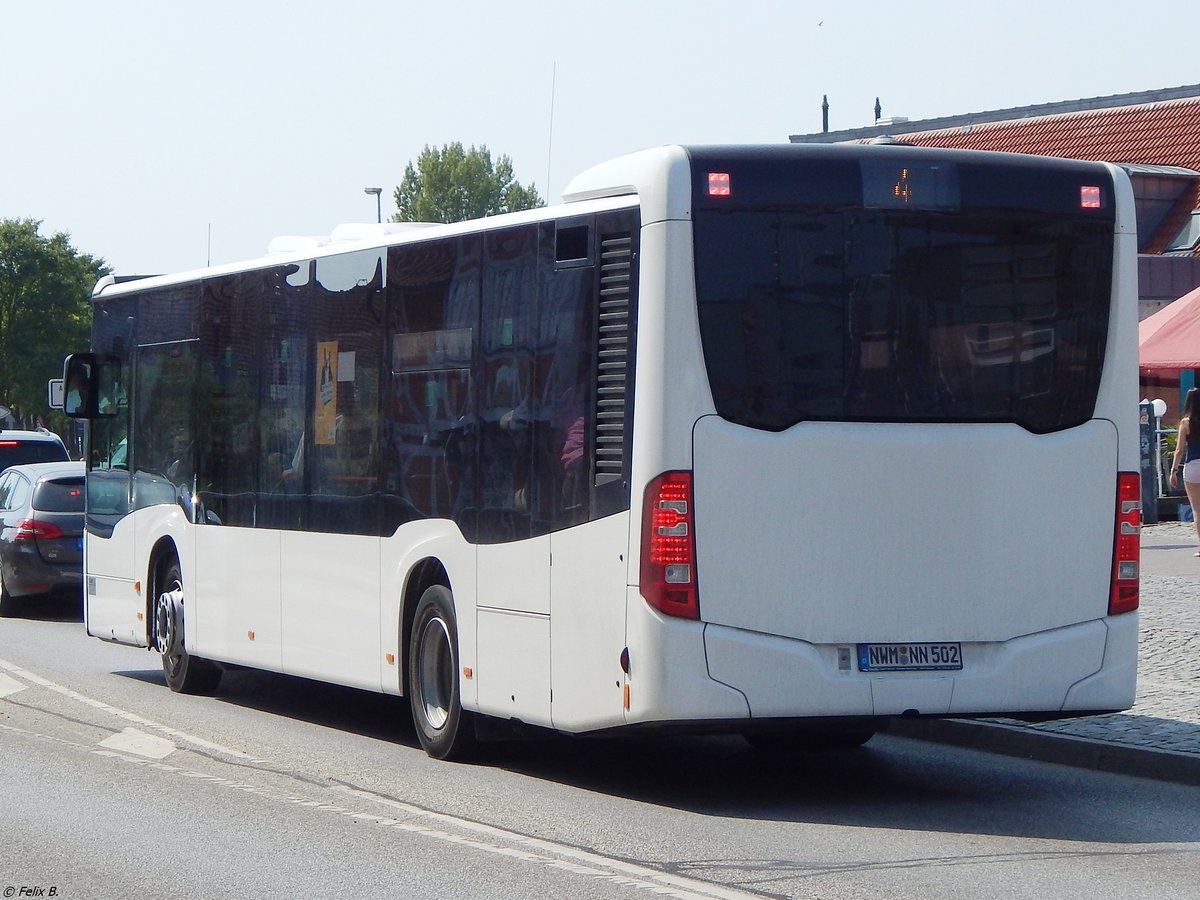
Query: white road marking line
{"points": [[180, 736], [548, 853], [585, 861], [130, 740], [562, 857], [9, 686]]}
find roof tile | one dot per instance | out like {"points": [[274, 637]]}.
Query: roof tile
{"points": [[1160, 133]]}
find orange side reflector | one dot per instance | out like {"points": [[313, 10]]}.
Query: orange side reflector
{"points": [[391, 658], [137, 588], [250, 634], [140, 617], [468, 672], [627, 696]]}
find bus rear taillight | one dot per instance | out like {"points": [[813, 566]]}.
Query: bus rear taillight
{"points": [[1126, 544], [668, 579]]}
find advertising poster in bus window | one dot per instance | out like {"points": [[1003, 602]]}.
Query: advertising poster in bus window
{"points": [[325, 415]]}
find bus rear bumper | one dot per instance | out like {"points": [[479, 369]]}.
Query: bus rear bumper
{"points": [[1087, 666]]}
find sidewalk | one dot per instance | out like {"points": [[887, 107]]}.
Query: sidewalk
{"points": [[1160, 736]]}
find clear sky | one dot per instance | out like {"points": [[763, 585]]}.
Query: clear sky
{"points": [[165, 135]]}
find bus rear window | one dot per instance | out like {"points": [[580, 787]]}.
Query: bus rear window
{"points": [[878, 315]]}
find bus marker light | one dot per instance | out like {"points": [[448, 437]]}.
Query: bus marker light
{"points": [[626, 697], [250, 635], [468, 672], [137, 588], [718, 184], [1089, 197], [390, 658]]}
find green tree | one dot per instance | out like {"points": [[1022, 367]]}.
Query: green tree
{"points": [[45, 311], [453, 184]]}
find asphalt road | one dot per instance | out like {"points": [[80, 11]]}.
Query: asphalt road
{"points": [[112, 786]]}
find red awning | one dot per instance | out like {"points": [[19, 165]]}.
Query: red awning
{"points": [[1170, 339]]}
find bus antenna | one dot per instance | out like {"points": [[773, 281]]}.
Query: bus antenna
{"points": [[550, 137]]}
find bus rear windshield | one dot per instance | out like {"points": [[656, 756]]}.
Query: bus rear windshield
{"points": [[901, 316]]}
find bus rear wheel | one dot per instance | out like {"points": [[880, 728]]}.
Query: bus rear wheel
{"points": [[444, 728], [807, 741], [185, 674]]}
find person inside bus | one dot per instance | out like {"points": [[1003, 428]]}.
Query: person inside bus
{"points": [[1187, 456], [77, 399], [177, 462]]}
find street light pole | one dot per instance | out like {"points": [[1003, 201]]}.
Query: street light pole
{"points": [[378, 203]]}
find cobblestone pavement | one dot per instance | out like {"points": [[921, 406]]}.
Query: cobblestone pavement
{"points": [[1166, 714], [1159, 737]]}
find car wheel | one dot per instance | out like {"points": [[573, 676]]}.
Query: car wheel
{"points": [[445, 729], [185, 674], [8, 603]]}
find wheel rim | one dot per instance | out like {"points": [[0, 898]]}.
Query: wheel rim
{"points": [[166, 622], [435, 672]]}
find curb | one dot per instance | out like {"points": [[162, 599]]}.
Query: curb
{"points": [[1054, 747]]}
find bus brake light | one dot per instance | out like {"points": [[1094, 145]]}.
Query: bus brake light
{"points": [[1123, 596], [718, 184], [668, 579], [1089, 197]]}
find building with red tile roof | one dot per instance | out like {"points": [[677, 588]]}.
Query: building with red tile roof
{"points": [[1155, 135]]}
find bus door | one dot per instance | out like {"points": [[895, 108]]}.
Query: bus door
{"points": [[111, 604]]}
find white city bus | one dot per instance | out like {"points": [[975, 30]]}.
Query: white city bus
{"points": [[783, 441]]}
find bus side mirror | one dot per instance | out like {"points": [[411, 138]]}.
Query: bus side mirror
{"points": [[80, 397]]}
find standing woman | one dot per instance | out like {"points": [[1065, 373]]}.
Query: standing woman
{"points": [[1187, 441]]}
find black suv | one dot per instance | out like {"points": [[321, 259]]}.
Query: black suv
{"points": [[20, 447]]}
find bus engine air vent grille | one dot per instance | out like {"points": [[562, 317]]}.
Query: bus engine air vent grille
{"points": [[616, 258]]}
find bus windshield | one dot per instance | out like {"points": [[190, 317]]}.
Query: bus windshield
{"points": [[922, 316]]}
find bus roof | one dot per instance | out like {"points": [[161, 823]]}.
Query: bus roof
{"points": [[657, 179]]}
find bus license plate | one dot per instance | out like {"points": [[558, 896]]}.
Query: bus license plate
{"points": [[909, 657]]}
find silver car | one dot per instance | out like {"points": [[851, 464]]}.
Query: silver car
{"points": [[41, 532]]}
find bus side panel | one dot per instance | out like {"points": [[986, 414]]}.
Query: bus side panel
{"points": [[588, 578], [1117, 400], [116, 607], [401, 554], [330, 607], [668, 675], [1114, 686], [242, 563], [111, 605], [513, 606]]}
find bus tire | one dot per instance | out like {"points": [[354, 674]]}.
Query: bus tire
{"points": [[807, 742], [185, 674], [444, 728]]}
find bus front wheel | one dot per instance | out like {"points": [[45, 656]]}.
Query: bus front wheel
{"points": [[444, 728], [185, 674]]}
